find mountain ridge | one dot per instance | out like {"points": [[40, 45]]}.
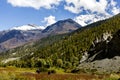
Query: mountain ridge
{"points": [[62, 26], [18, 36]]}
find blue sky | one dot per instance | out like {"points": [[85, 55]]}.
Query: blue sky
{"points": [[46, 12]]}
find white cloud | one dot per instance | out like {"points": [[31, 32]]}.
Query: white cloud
{"points": [[101, 6], [37, 4], [89, 18], [113, 8], [94, 10], [77, 6], [49, 20]]}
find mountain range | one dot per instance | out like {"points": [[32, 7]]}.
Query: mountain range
{"points": [[18, 36]]}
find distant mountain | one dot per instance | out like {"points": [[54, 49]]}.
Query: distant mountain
{"points": [[14, 38], [61, 27], [20, 35]]}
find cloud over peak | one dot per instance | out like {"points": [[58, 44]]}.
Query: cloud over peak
{"points": [[49, 20]]}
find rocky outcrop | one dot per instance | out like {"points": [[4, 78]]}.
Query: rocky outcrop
{"points": [[84, 57], [98, 49], [104, 54], [102, 66]]}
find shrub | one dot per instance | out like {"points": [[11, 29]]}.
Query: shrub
{"points": [[75, 71], [51, 72]]}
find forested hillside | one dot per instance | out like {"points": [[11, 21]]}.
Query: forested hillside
{"points": [[66, 51]]}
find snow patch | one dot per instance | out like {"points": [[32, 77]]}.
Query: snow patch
{"points": [[28, 27]]}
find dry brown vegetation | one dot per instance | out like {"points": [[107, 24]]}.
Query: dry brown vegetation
{"points": [[29, 74], [45, 76]]}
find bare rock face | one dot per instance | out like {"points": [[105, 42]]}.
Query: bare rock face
{"points": [[104, 54], [84, 57], [98, 49]]}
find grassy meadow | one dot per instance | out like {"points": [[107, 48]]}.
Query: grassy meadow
{"points": [[13, 73]]}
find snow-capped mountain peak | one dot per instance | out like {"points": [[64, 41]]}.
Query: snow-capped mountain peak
{"points": [[28, 27]]}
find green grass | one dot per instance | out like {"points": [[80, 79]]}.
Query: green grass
{"points": [[58, 70]]}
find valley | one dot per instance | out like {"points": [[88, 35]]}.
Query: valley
{"points": [[66, 49], [59, 39]]}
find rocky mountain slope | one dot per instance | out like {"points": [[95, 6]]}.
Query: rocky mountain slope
{"points": [[14, 38], [103, 55], [61, 27]]}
